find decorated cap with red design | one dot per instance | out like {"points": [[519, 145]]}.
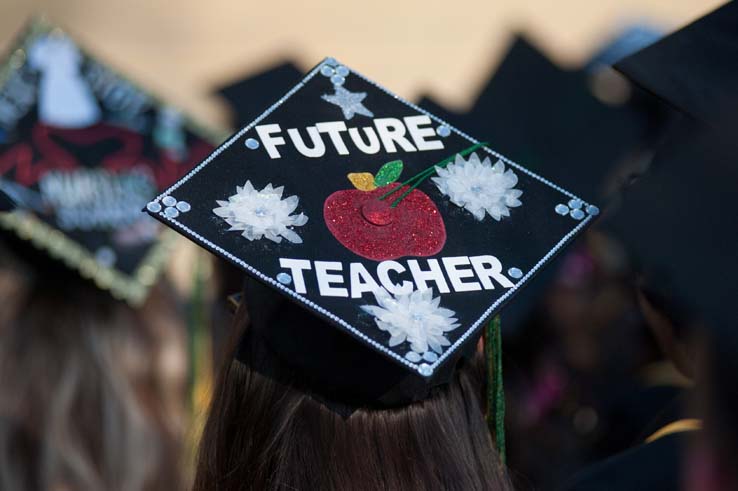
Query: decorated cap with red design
{"points": [[82, 149], [396, 235]]}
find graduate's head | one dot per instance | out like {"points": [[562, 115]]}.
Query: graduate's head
{"points": [[93, 367], [273, 426], [83, 403], [379, 241]]}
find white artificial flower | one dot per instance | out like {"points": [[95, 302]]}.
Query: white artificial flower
{"points": [[413, 317], [262, 213], [479, 187]]}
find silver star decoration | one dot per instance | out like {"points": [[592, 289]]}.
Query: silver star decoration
{"points": [[349, 102]]}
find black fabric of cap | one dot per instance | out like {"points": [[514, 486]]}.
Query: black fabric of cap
{"points": [[345, 371], [250, 96], [694, 68]]}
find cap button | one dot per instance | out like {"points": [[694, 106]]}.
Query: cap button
{"points": [[377, 212]]}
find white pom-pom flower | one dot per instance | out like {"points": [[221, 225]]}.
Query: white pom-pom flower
{"points": [[414, 317], [262, 213], [479, 187]]}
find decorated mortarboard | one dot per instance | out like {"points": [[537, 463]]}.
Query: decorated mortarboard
{"points": [[399, 233], [694, 68], [82, 149], [249, 96]]}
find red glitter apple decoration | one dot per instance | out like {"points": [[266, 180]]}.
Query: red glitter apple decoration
{"points": [[382, 219]]}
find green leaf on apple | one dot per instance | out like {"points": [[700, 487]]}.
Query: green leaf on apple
{"points": [[388, 173]]}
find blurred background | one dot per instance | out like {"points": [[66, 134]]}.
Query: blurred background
{"points": [[186, 51], [528, 73], [183, 49]]}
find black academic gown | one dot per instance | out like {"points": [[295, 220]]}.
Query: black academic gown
{"points": [[655, 464]]}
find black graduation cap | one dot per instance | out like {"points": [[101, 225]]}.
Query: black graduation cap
{"points": [[694, 68], [249, 96], [627, 41], [680, 220], [399, 233], [82, 149]]}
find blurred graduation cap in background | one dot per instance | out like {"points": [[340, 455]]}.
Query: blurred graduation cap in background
{"points": [[250, 96], [694, 68], [627, 41], [83, 149], [680, 219]]}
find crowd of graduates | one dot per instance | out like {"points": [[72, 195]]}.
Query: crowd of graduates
{"points": [[619, 358]]}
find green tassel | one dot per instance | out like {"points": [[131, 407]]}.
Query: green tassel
{"points": [[196, 328], [495, 387]]}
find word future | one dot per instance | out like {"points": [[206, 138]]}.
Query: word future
{"points": [[387, 133], [465, 274]]}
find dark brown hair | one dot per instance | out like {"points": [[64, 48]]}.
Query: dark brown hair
{"points": [[270, 433], [80, 403]]}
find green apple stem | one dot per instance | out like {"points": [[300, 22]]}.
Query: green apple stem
{"points": [[421, 176]]}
